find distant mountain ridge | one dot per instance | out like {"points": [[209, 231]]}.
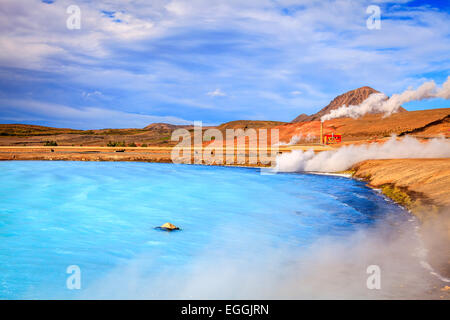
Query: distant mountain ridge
{"points": [[247, 124], [161, 126], [352, 97]]}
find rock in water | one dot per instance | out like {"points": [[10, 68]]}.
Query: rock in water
{"points": [[168, 227]]}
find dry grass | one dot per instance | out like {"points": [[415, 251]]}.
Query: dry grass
{"points": [[425, 181]]}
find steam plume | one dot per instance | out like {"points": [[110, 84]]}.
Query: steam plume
{"points": [[346, 156], [380, 103], [299, 138], [331, 268]]}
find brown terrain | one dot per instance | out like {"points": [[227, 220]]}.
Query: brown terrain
{"points": [[373, 127], [249, 124], [27, 135], [155, 134]]}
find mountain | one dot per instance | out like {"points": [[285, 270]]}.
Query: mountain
{"points": [[353, 97], [247, 124], [161, 126]]}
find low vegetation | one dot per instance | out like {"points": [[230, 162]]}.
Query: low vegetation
{"points": [[50, 143], [121, 132], [349, 171], [397, 195], [116, 144], [22, 130]]}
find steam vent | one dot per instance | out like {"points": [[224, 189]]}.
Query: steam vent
{"points": [[168, 227]]}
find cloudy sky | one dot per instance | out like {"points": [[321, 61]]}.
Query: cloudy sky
{"points": [[134, 62]]}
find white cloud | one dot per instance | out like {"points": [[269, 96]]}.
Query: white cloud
{"points": [[178, 7], [312, 34], [33, 32], [216, 93], [87, 117], [91, 94], [173, 50]]}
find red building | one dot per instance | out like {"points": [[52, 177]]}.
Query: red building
{"points": [[332, 138]]}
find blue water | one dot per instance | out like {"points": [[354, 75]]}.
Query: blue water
{"points": [[101, 216]]}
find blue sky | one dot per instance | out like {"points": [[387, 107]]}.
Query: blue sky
{"points": [[137, 62]]}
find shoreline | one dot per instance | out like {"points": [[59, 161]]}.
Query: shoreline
{"points": [[394, 177], [415, 197]]}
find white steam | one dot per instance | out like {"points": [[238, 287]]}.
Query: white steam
{"points": [[299, 138], [332, 268], [346, 156], [380, 103]]}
